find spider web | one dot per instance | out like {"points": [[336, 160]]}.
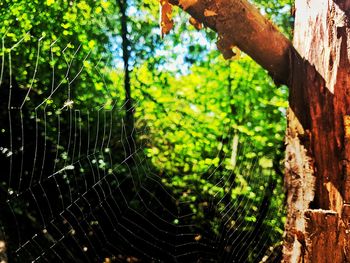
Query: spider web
{"points": [[69, 193]]}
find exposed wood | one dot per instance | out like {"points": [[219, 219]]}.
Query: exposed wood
{"points": [[239, 23], [324, 237], [299, 183], [318, 153]]}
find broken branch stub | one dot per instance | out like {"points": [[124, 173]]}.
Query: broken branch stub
{"points": [[166, 22], [239, 23]]}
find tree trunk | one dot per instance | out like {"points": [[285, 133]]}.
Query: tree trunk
{"points": [[317, 161], [317, 176], [129, 109]]}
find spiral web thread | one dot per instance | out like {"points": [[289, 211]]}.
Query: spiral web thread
{"points": [[74, 196]]}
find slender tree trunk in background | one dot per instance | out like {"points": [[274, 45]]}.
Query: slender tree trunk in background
{"points": [[317, 176], [318, 154], [129, 109]]}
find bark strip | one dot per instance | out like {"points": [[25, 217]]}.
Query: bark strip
{"points": [[239, 23]]}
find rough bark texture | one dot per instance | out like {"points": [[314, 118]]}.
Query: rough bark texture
{"points": [[238, 23], [317, 154]]}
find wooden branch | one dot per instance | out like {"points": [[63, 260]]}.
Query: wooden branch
{"points": [[239, 23]]}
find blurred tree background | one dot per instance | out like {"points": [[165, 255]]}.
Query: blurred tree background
{"points": [[118, 145]]}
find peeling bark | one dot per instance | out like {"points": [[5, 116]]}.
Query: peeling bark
{"points": [[299, 183], [239, 23]]}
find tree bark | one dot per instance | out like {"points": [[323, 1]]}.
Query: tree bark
{"points": [[317, 166], [317, 71]]}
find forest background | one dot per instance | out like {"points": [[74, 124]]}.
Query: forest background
{"points": [[118, 144]]}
